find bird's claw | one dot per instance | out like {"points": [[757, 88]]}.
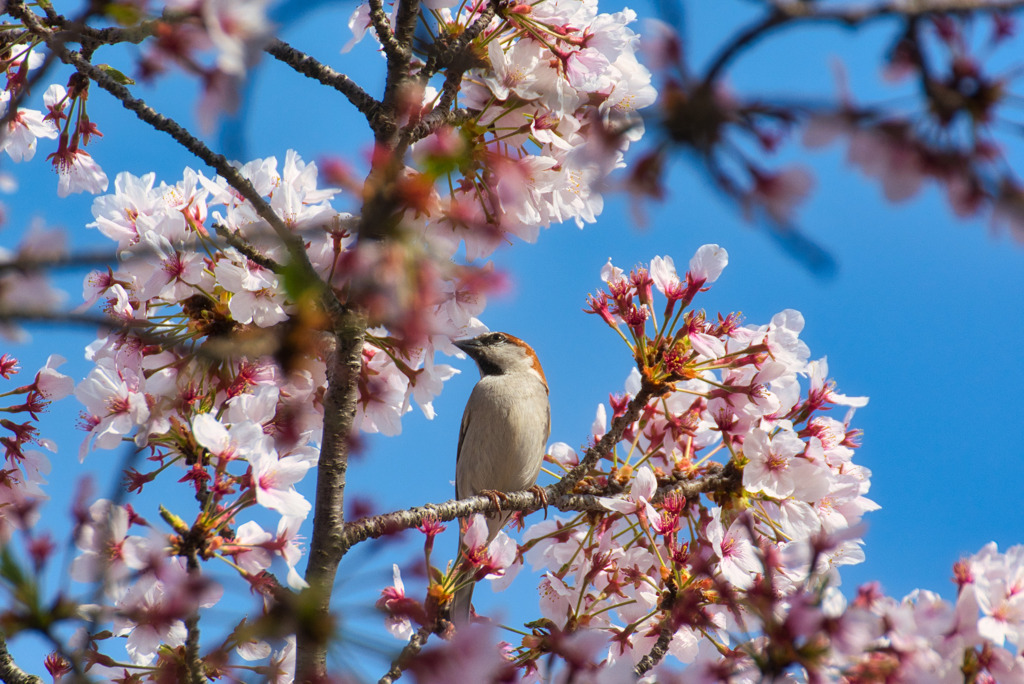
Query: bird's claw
{"points": [[495, 496], [542, 493]]}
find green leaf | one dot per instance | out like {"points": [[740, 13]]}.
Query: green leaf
{"points": [[115, 74]]}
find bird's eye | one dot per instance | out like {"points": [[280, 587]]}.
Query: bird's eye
{"points": [[496, 338]]}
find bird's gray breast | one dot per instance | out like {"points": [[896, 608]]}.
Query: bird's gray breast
{"points": [[505, 429]]}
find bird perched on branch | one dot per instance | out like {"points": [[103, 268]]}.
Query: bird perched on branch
{"points": [[504, 430]]}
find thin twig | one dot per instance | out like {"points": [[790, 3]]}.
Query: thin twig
{"points": [[308, 66], [658, 651], [604, 446], [326, 548], [398, 665], [437, 116], [247, 250], [791, 14]]}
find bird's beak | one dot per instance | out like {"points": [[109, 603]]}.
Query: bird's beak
{"points": [[468, 346]]}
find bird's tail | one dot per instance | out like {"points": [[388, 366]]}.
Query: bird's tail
{"points": [[460, 605], [463, 599]]}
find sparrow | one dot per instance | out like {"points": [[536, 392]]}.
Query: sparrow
{"points": [[505, 428]]}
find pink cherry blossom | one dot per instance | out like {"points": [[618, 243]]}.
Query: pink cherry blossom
{"points": [[109, 553], [23, 131], [708, 263], [490, 557], [274, 479], [115, 402], [738, 562], [51, 383], [77, 171], [640, 492], [777, 469], [394, 601]]}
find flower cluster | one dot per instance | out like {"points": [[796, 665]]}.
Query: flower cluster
{"points": [[216, 362], [949, 140], [727, 416], [554, 105], [25, 468], [735, 495], [65, 119], [716, 533], [236, 31]]}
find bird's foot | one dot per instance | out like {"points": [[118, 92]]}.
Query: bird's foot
{"points": [[542, 493], [495, 496]]}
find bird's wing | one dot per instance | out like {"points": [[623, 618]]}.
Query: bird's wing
{"points": [[547, 423], [458, 453]]}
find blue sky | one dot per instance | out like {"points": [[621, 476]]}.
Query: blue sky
{"points": [[924, 313]]}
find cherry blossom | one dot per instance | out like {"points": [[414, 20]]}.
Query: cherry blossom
{"points": [[151, 612], [115, 403], [23, 131], [393, 601], [108, 552], [274, 479]]}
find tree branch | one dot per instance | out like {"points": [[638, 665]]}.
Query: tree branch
{"points": [[434, 119], [416, 643], [851, 17], [10, 673], [437, 116], [246, 249], [193, 661], [717, 478], [326, 547], [382, 27], [308, 66], [658, 651], [396, 97], [607, 442], [457, 60], [444, 55]]}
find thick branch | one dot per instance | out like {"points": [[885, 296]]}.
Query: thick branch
{"points": [[326, 547], [193, 661], [436, 118], [10, 673], [397, 79], [382, 27], [405, 25], [717, 478]]}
